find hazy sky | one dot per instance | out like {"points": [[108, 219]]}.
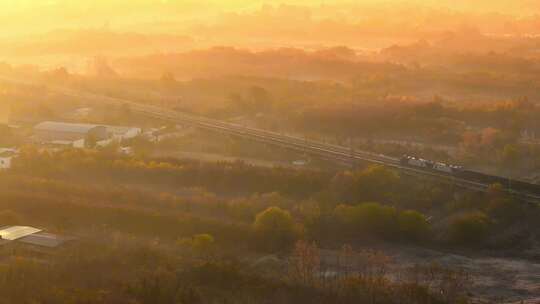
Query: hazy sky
{"points": [[267, 22], [19, 16]]}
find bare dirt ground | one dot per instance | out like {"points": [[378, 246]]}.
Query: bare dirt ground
{"points": [[493, 280], [496, 280]]}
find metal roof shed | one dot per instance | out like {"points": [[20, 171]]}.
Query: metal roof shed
{"points": [[16, 232], [51, 130], [64, 127], [44, 240]]}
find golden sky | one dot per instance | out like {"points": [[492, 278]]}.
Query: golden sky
{"points": [[55, 12], [267, 22]]}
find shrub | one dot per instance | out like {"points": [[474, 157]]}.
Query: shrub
{"points": [[376, 183], [413, 225], [202, 244], [469, 229], [367, 217], [275, 229], [502, 206]]}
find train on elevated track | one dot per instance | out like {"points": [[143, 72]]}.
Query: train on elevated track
{"points": [[471, 175]]}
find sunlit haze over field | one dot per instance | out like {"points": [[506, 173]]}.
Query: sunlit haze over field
{"points": [[269, 151]]}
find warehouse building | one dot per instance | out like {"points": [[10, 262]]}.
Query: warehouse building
{"points": [[31, 236], [50, 131]]}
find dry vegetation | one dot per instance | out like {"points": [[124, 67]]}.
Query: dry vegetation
{"points": [[177, 224], [453, 81]]}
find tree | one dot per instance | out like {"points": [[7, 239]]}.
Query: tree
{"points": [[413, 225], [489, 137], [90, 141], [469, 229], [162, 286], [376, 183], [367, 218], [168, 78], [275, 229], [60, 74], [510, 155], [100, 67], [259, 99], [501, 205], [203, 244], [470, 141]]}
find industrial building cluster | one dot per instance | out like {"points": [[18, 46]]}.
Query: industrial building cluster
{"points": [[60, 135], [79, 135], [54, 134]]}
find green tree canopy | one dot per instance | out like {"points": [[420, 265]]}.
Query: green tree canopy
{"points": [[275, 229], [469, 229], [413, 225], [376, 183], [367, 217]]}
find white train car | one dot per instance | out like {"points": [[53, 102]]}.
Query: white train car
{"points": [[416, 162], [427, 164], [443, 168]]}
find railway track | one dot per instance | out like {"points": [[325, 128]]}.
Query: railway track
{"points": [[338, 154]]}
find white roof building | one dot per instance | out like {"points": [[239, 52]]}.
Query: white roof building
{"points": [[65, 127], [62, 133], [44, 239], [57, 131], [31, 236], [16, 232]]}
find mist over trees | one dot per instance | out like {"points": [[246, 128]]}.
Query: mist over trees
{"points": [[180, 214]]}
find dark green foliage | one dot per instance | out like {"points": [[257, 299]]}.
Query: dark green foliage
{"points": [[375, 183], [502, 206], [413, 226], [275, 229], [469, 229], [383, 221], [222, 177], [367, 218]]}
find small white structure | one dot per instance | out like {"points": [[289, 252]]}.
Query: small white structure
{"points": [[6, 157], [126, 150], [78, 144], [152, 134], [300, 162], [82, 112], [121, 133], [104, 143], [5, 162], [31, 236]]}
